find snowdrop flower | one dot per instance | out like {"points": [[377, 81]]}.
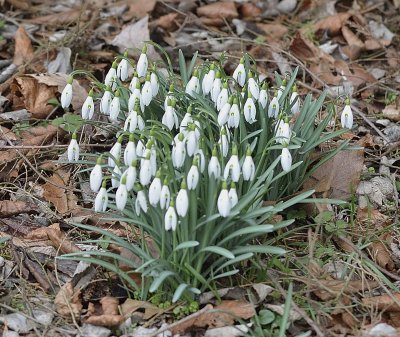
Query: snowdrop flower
{"points": [[101, 201], [121, 196], [224, 112], [193, 86], [130, 151], [178, 151], [233, 197], [249, 109], [223, 203], [169, 118], [169, 96], [141, 201], [240, 73], [131, 121], [123, 68], [263, 99], [248, 167], [143, 63], [88, 106], [223, 143], [295, 101], [214, 168], [165, 195], [131, 174], [145, 171], [286, 159], [135, 97], [111, 77], [281, 89], [106, 101], [222, 98], [154, 83], [155, 190], [346, 118], [170, 219], [187, 119], [202, 160], [153, 158], [135, 80], [192, 143], [283, 132], [193, 175], [66, 95], [116, 176], [96, 176], [115, 107], [146, 93], [140, 122], [115, 152], [140, 147], [73, 149], [273, 108], [234, 115], [182, 200], [208, 80], [216, 87], [232, 167], [253, 86]]}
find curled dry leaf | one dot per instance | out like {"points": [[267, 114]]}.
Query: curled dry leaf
{"points": [[138, 9], [380, 253], [333, 24], [218, 10], [131, 306], [67, 301], [383, 302], [23, 47], [63, 17], [329, 289], [249, 10], [109, 315], [9, 208], [60, 241]]}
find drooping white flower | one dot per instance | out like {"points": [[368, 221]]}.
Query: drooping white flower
{"points": [[249, 110], [286, 159], [146, 93], [281, 89], [88, 106], [140, 122], [170, 219], [115, 107], [240, 73], [178, 151], [214, 167], [187, 119], [253, 87], [123, 69], [155, 190], [111, 77], [106, 102], [208, 80], [165, 195], [145, 171], [66, 95], [193, 175], [116, 176], [193, 86], [224, 112], [295, 100], [131, 174], [168, 118], [223, 97], [182, 200], [154, 84], [233, 197], [73, 149], [169, 96], [121, 195], [216, 87], [223, 143], [153, 158], [263, 99], [96, 176], [346, 118], [234, 115], [140, 147], [224, 203], [232, 167], [192, 142], [135, 97], [135, 80], [130, 151], [101, 201], [248, 167], [131, 121], [143, 63], [273, 109], [141, 202], [283, 132], [115, 152]]}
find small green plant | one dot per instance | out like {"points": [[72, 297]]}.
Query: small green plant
{"points": [[390, 97]]}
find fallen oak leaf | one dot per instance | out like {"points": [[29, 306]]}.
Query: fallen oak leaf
{"points": [[67, 301], [23, 47], [380, 254]]}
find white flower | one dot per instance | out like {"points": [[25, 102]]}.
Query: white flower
{"points": [[216, 87], [73, 149], [193, 86], [208, 80], [154, 84], [140, 122], [253, 87], [202, 159], [101, 201], [131, 121], [115, 153], [193, 176], [165, 195], [153, 160], [223, 203], [182, 201], [121, 196], [240, 73], [115, 108], [223, 143], [283, 132], [214, 168], [263, 99], [123, 69], [130, 151], [346, 118], [134, 98], [248, 167], [295, 100], [105, 102], [146, 93], [116, 176], [234, 115], [111, 77], [281, 89], [96, 176], [273, 108], [143, 63], [155, 190], [169, 97], [224, 113], [141, 202], [286, 159], [170, 219], [140, 147], [223, 97], [192, 143], [250, 110], [187, 119], [233, 197], [145, 171], [168, 118], [130, 174], [178, 151], [66, 95], [135, 80], [88, 107], [233, 167]]}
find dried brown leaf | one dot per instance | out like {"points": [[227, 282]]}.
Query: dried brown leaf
{"points": [[167, 22], [130, 306], [9, 208], [60, 241], [383, 302], [354, 44], [7, 134], [219, 9], [23, 47], [138, 9], [110, 314], [329, 289], [380, 254], [392, 112], [58, 19], [333, 24], [67, 301], [273, 30], [249, 10]]}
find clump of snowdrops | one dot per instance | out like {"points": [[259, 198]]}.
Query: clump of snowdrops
{"points": [[195, 157]]}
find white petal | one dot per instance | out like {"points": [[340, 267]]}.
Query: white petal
{"points": [[155, 191], [286, 160], [101, 201], [96, 178], [193, 177], [182, 202], [223, 203], [142, 65], [121, 197], [66, 96], [165, 197]]}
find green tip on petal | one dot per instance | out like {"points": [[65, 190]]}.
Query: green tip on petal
{"points": [[173, 103], [169, 102], [120, 139], [172, 203], [294, 88], [74, 136], [99, 161], [224, 185], [235, 100], [108, 88], [286, 119], [223, 131], [91, 93], [233, 185], [215, 151], [250, 74], [241, 60], [70, 80], [123, 179], [138, 85], [138, 187], [195, 161], [284, 82], [183, 184], [190, 109], [126, 53], [196, 73], [148, 77], [248, 151], [134, 163], [234, 151], [171, 87], [158, 174], [230, 100], [212, 66], [249, 95], [225, 85], [104, 183], [115, 64], [166, 181], [131, 137], [347, 101], [181, 137], [144, 49], [218, 74], [264, 86], [117, 93]]}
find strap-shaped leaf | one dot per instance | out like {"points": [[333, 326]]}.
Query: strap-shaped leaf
{"points": [[259, 249], [178, 292], [159, 280], [249, 230], [219, 250], [187, 244]]}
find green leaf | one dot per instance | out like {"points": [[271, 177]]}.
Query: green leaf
{"points": [[219, 250], [259, 249], [266, 317], [182, 67], [226, 274], [187, 244], [178, 292], [159, 280]]}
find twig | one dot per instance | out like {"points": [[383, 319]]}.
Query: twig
{"points": [[8, 72]]}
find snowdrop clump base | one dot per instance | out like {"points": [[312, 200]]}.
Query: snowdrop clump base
{"points": [[194, 158]]}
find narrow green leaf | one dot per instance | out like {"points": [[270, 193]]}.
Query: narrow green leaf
{"points": [[187, 244], [159, 280], [178, 292], [218, 250]]}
